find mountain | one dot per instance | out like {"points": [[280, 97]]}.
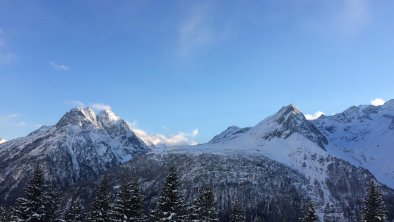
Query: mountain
{"points": [[364, 136], [78, 148], [273, 167], [288, 139]]}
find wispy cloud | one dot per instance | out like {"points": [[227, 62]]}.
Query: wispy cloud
{"points": [[12, 120], [377, 102], [200, 29], [100, 106], [75, 103], [59, 67], [2, 140], [180, 138], [5, 56], [338, 18], [314, 116], [96, 106]]}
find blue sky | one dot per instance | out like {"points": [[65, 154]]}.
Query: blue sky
{"points": [[171, 67]]}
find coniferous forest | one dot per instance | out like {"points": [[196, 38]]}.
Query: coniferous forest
{"points": [[43, 202]]}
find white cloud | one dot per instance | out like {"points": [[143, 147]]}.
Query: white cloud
{"points": [[75, 103], [195, 132], [314, 116], [59, 67], [377, 102], [199, 30], [100, 106], [12, 120], [160, 139], [2, 141], [95, 106]]}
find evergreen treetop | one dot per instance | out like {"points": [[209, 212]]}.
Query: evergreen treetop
{"points": [[237, 213], [170, 204], [30, 207], [309, 213], [204, 208], [101, 202], [374, 208]]}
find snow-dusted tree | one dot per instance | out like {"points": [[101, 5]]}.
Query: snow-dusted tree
{"points": [[30, 207], [121, 208], [309, 213], [128, 204], [374, 209], [237, 213], [257, 219], [204, 208], [101, 204], [5, 214], [52, 200], [170, 206], [76, 212], [136, 201]]}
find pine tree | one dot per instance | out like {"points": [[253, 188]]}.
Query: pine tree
{"points": [[52, 200], [136, 201], [309, 213], [170, 206], [257, 219], [374, 209], [101, 203], [120, 210], [30, 207], [5, 214], [76, 212], [128, 204], [204, 208], [237, 213]]}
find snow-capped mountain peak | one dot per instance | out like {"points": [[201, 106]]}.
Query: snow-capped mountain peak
{"points": [[79, 147], [78, 116], [107, 117], [287, 121]]}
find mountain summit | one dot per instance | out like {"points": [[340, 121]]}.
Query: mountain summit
{"points": [[287, 121], [79, 147]]}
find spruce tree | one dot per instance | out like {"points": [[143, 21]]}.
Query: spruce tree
{"points": [[76, 212], [204, 208], [30, 207], [101, 203], [257, 219], [5, 214], [120, 209], [128, 204], [136, 201], [52, 200], [170, 206], [309, 213], [374, 209], [237, 213]]}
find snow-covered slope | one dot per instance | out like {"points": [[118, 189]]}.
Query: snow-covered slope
{"points": [[290, 139], [2, 140], [364, 136], [286, 137], [78, 148]]}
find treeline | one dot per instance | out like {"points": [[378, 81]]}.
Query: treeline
{"points": [[44, 203]]}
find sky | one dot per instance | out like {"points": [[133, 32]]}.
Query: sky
{"points": [[183, 71]]}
